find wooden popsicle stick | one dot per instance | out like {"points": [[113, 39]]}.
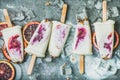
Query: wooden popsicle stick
{"points": [[64, 11], [104, 13], [81, 64], [7, 18], [63, 16], [31, 65]]}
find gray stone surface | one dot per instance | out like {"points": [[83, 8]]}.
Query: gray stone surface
{"points": [[23, 11]]}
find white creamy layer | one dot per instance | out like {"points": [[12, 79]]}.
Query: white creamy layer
{"points": [[36, 47], [82, 39], [7, 34], [105, 37], [58, 38]]}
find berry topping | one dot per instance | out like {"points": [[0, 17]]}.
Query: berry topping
{"points": [[14, 43], [60, 33], [108, 46], [80, 36], [109, 36], [39, 35]]}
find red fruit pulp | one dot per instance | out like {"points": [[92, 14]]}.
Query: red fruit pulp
{"points": [[39, 36], [14, 43], [108, 46], [109, 36], [80, 36]]}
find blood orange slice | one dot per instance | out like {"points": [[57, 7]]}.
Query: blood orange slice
{"points": [[7, 71], [5, 52], [28, 30], [2, 26]]}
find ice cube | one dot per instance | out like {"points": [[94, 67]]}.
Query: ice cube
{"points": [[118, 63], [38, 61], [23, 8], [19, 17], [29, 14], [103, 66], [81, 15], [118, 53], [114, 11], [32, 77], [59, 3], [97, 69], [48, 59], [98, 5], [91, 3], [66, 70]]}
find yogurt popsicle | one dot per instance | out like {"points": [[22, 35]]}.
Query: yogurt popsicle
{"points": [[82, 40], [82, 44], [58, 38], [14, 43], [39, 41], [105, 37]]}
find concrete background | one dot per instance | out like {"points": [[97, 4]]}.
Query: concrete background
{"points": [[23, 11]]}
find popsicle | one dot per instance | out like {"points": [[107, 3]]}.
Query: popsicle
{"points": [[105, 34], [58, 38], [39, 41], [59, 35], [13, 40], [82, 44], [105, 37], [82, 39]]}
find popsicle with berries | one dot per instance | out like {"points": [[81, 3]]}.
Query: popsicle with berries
{"points": [[39, 41], [105, 34], [59, 35], [82, 44], [82, 40], [105, 37], [58, 38], [13, 40]]}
